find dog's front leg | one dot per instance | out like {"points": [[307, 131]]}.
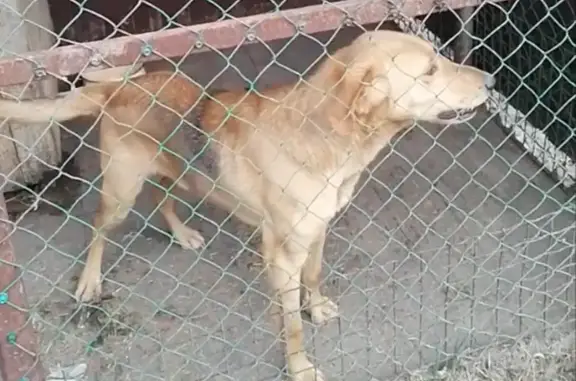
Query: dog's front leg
{"points": [[320, 308], [285, 257]]}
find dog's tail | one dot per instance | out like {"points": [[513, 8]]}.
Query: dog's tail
{"points": [[175, 92], [81, 102]]}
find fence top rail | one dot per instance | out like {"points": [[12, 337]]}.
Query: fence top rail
{"points": [[177, 42]]}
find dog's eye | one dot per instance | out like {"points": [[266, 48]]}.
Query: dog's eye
{"points": [[432, 70]]}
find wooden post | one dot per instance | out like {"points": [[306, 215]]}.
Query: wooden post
{"points": [[25, 26]]}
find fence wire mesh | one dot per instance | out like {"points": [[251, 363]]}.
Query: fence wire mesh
{"points": [[454, 260]]}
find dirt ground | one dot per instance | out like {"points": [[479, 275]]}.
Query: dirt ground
{"points": [[455, 240]]}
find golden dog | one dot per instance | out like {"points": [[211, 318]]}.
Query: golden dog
{"points": [[286, 159]]}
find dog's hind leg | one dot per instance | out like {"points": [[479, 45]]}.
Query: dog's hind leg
{"points": [[123, 178], [173, 168], [187, 237], [204, 187]]}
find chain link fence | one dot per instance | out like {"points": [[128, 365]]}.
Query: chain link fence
{"points": [[455, 260]]}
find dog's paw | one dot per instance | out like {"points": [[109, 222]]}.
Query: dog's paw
{"points": [[307, 373], [188, 238], [323, 310], [89, 286]]}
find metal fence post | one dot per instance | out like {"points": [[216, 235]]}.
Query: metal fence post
{"points": [[464, 43], [19, 359]]}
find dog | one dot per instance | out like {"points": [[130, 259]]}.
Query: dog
{"points": [[285, 160]]}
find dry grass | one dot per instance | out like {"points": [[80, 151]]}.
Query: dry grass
{"points": [[522, 361]]}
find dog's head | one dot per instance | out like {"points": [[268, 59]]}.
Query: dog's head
{"points": [[399, 77]]}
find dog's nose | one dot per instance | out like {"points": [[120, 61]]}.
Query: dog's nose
{"points": [[489, 81]]}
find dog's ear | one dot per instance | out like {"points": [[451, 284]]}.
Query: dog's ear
{"points": [[360, 91], [373, 92]]}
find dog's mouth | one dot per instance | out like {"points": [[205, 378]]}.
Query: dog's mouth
{"points": [[456, 116]]}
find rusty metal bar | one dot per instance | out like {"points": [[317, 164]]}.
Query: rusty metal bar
{"points": [[18, 342], [72, 59]]}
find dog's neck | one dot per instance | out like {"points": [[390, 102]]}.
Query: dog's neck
{"points": [[329, 146]]}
